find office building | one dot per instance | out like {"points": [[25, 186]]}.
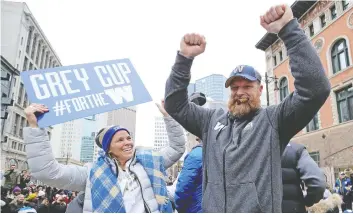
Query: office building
{"points": [[213, 87], [329, 25], [25, 47], [191, 88], [160, 134], [125, 117]]}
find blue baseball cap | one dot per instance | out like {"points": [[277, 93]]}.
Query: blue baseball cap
{"points": [[244, 71]]}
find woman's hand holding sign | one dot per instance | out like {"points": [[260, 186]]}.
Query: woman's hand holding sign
{"points": [[31, 111]]}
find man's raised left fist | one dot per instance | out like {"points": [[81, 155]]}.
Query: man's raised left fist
{"points": [[276, 18]]}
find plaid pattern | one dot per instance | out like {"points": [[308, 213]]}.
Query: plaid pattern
{"points": [[153, 163], [106, 194]]}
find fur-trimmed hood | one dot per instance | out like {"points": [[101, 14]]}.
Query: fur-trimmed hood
{"points": [[325, 205]]}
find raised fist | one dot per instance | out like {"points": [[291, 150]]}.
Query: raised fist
{"points": [[192, 45], [276, 18]]}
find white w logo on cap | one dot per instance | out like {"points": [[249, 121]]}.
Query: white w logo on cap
{"points": [[239, 69]]}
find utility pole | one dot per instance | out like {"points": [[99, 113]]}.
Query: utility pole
{"points": [[267, 81]]}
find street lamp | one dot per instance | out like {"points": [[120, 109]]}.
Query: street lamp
{"points": [[267, 81]]}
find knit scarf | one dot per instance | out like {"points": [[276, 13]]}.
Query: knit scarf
{"points": [[106, 194]]}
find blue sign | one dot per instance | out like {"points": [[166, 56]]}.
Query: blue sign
{"points": [[77, 91]]}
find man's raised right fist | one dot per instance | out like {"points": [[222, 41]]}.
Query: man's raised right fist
{"points": [[192, 45]]}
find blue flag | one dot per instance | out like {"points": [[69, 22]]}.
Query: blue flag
{"points": [[77, 91]]}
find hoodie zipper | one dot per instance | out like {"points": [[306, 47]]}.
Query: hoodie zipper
{"points": [[143, 199], [224, 165]]}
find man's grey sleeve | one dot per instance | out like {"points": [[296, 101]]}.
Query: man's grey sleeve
{"points": [[313, 178]]}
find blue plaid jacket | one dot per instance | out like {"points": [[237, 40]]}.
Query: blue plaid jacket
{"points": [[106, 195]]}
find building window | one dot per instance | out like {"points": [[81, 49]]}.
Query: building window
{"points": [[15, 124], [19, 54], [30, 66], [345, 4], [29, 40], [25, 101], [23, 122], [323, 20], [274, 60], [38, 52], [20, 93], [315, 156], [280, 56], [21, 40], [25, 62], [339, 56], [42, 59], [50, 62], [345, 104], [333, 12], [34, 46], [283, 88], [313, 124], [311, 30], [13, 145]]}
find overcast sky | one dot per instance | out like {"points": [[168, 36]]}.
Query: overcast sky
{"points": [[149, 33]]}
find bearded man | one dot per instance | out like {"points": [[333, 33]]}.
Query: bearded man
{"points": [[242, 147]]}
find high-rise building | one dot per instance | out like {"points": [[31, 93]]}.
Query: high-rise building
{"points": [[66, 139], [191, 88], [160, 134], [25, 46], [125, 117], [8, 73], [71, 139], [87, 148], [213, 87], [161, 141], [328, 136]]}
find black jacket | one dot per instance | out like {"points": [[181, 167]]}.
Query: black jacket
{"points": [[298, 167]]}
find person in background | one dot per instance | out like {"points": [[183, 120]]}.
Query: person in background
{"points": [[11, 177], [298, 167], [44, 206], [17, 203], [188, 193], [76, 205], [58, 205], [40, 197], [343, 187], [5, 201], [349, 195], [25, 178], [31, 200], [15, 192]]}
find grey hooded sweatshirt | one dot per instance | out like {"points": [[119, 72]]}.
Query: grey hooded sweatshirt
{"points": [[242, 156]]}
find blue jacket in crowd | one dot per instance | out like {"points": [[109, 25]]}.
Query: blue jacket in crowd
{"points": [[342, 184], [188, 193]]}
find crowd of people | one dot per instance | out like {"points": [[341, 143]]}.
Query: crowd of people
{"points": [[33, 198], [245, 162]]}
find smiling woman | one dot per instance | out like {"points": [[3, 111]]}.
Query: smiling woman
{"points": [[123, 178]]}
